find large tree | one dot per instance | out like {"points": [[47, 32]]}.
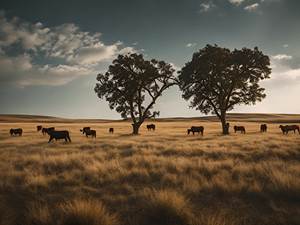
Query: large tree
{"points": [[132, 85], [218, 79]]}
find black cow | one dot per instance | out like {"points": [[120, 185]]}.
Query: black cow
{"points": [[263, 128], [285, 129], [195, 129], [47, 130], [151, 127], [239, 128], [64, 134], [84, 130], [111, 130], [38, 128], [17, 131], [90, 133]]}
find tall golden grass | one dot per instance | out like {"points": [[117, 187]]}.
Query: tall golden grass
{"points": [[162, 177]]}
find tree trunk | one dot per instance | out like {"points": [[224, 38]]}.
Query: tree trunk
{"points": [[135, 128], [225, 125]]}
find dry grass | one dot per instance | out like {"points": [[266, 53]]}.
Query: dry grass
{"points": [[162, 177]]}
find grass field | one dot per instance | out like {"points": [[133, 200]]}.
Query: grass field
{"points": [[157, 178]]}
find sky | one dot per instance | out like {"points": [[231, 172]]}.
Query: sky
{"points": [[51, 51]]}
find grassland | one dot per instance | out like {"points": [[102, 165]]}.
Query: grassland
{"points": [[157, 178]]}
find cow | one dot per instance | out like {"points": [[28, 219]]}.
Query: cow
{"points": [[151, 127], [239, 128], [46, 130], [17, 131], [38, 128], [111, 130], [195, 129], [90, 133], [285, 129], [54, 134], [263, 128], [85, 129]]}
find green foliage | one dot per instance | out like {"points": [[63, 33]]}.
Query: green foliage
{"points": [[132, 85], [217, 79]]}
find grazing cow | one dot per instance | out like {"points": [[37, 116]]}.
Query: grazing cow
{"points": [[17, 131], [285, 129], [90, 133], [46, 130], [239, 128], [263, 128], [194, 130], [151, 127], [84, 130], [111, 130], [64, 134], [38, 128]]}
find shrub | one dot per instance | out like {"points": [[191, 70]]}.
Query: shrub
{"points": [[86, 212], [165, 207]]}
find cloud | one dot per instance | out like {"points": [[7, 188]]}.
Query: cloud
{"points": [[236, 2], [285, 72], [282, 57], [205, 7], [285, 45], [51, 55], [252, 7], [190, 45]]}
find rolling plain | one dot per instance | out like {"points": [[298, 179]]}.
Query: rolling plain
{"points": [[156, 178]]}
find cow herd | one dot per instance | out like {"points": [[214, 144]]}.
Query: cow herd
{"points": [[88, 132], [263, 128]]}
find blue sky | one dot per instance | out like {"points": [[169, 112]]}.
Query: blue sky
{"points": [[51, 51]]}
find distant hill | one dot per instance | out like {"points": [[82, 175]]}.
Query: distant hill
{"points": [[15, 118], [247, 117]]}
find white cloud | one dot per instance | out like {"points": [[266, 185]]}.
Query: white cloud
{"points": [[75, 52], [282, 57], [190, 45], [283, 74], [252, 7], [236, 2], [205, 7], [285, 45]]}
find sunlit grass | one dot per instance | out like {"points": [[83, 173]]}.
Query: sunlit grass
{"points": [[161, 177]]}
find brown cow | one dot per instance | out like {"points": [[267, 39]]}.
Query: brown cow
{"points": [[64, 134], [151, 127], [111, 130], [195, 129], [263, 128], [285, 129], [90, 133], [239, 128], [85, 129], [38, 128], [17, 131], [46, 130]]}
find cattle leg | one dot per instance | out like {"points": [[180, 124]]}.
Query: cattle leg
{"points": [[50, 139], [69, 138]]}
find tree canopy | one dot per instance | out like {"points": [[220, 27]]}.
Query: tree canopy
{"points": [[132, 85], [217, 79]]}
